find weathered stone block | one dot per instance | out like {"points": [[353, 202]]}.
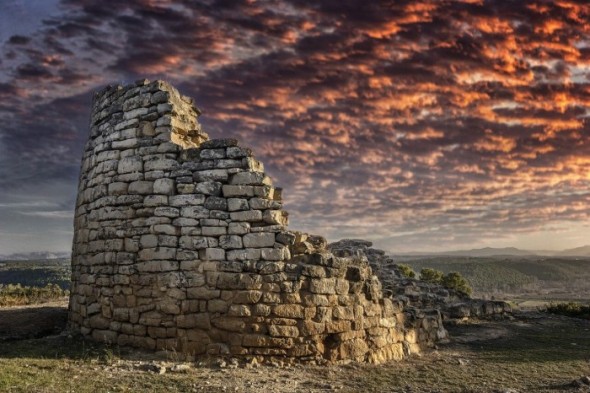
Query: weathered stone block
{"points": [[212, 254], [276, 217], [209, 188], [164, 186], [202, 293], [236, 204], [155, 200], [186, 200], [283, 331], [141, 187], [248, 254], [250, 178], [238, 152], [210, 154], [164, 229], [289, 311], [232, 324], [157, 253], [165, 211], [194, 212], [237, 191], [118, 188], [274, 254], [199, 321], [216, 203], [247, 215], [130, 164], [238, 228], [239, 310], [148, 241], [230, 242], [217, 306], [211, 175], [259, 240], [247, 297], [213, 231]]}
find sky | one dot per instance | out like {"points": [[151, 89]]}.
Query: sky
{"points": [[419, 125]]}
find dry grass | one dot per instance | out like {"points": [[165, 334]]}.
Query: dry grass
{"points": [[535, 353], [18, 295]]}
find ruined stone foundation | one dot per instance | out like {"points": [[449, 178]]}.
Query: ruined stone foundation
{"points": [[181, 244]]}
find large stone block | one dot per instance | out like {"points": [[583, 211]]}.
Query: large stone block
{"points": [[130, 164], [250, 178], [259, 240], [237, 191], [141, 187], [247, 216]]}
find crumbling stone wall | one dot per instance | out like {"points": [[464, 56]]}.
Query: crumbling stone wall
{"points": [[417, 295], [181, 244]]}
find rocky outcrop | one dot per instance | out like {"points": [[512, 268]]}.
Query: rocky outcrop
{"points": [[181, 244], [415, 294]]}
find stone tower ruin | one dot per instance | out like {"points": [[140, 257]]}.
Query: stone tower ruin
{"points": [[181, 244]]}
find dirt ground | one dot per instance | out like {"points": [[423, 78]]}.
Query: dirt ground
{"points": [[532, 352]]}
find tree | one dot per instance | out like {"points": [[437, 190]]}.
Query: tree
{"points": [[431, 276], [455, 281], [406, 271]]}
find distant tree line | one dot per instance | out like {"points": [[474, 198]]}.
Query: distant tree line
{"points": [[452, 280]]}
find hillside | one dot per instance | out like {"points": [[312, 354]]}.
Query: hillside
{"points": [[36, 273], [576, 252], [514, 275]]}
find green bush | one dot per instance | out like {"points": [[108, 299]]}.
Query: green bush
{"points": [[570, 309], [452, 280], [406, 271], [432, 276], [457, 282]]}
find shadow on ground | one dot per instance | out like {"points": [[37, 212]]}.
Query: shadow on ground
{"points": [[532, 338], [31, 322]]}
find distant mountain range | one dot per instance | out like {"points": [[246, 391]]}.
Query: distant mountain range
{"points": [[583, 251], [576, 252], [28, 256]]}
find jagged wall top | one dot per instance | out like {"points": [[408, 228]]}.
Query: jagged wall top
{"points": [[117, 109]]}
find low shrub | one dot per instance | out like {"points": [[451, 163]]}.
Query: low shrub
{"points": [[406, 271], [452, 280], [457, 282], [431, 276]]}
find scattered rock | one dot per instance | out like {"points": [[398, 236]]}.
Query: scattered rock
{"points": [[180, 368], [153, 368], [221, 363]]}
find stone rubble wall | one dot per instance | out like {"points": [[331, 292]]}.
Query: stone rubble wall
{"points": [[419, 295], [181, 244]]}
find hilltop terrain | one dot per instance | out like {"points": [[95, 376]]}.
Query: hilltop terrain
{"points": [[533, 352], [517, 278], [530, 352]]}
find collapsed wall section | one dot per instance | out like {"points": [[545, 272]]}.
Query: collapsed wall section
{"points": [[181, 244]]}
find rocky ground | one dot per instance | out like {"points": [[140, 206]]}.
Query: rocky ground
{"points": [[533, 352]]}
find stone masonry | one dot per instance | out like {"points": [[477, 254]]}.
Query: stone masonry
{"points": [[181, 244]]}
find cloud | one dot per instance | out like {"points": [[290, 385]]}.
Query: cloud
{"points": [[415, 122], [59, 214]]}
